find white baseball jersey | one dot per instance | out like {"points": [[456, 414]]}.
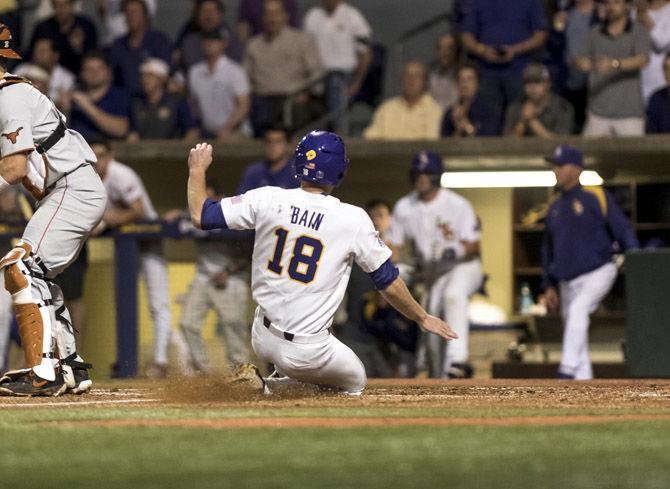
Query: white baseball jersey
{"points": [[124, 187], [27, 118], [303, 252], [433, 226]]}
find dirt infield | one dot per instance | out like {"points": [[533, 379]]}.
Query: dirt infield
{"points": [[412, 403]]}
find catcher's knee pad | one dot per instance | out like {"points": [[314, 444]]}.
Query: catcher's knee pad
{"points": [[17, 275]]}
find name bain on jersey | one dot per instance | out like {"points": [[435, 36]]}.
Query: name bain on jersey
{"points": [[306, 218]]}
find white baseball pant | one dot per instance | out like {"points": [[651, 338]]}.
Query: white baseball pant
{"points": [[448, 299], [319, 359], [579, 299]]}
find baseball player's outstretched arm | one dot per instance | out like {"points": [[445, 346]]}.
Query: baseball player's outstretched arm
{"points": [[199, 160], [399, 297]]}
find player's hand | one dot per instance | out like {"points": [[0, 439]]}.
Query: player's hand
{"points": [[200, 157], [551, 299], [436, 326]]}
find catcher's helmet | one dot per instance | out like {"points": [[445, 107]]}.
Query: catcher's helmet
{"points": [[6, 44], [427, 163], [321, 158]]}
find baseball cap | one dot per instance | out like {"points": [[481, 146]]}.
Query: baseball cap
{"points": [[566, 154], [7, 43], [428, 162], [155, 66], [535, 73]]}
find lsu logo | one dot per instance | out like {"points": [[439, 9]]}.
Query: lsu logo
{"points": [[13, 135], [578, 207], [311, 154]]}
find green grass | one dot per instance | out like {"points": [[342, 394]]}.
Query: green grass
{"points": [[632, 454]]}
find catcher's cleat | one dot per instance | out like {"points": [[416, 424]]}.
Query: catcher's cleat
{"points": [[248, 375], [30, 384], [75, 374]]}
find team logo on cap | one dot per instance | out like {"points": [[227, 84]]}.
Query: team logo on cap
{"points": [[558, 151], [578, 207], [311, 154]]}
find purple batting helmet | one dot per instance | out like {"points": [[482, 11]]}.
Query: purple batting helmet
{"points": [[321, 158]]}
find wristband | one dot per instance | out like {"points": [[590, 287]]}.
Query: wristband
{"points": [[616, 64], [4, 184]]}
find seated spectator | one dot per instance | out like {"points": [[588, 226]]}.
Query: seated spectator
{"points": [[113, 19], [280, 61], [38, 76], [654, 16], [98, 109], [219, 89], [613, 56], [61, 79], [250, 17], [141, 42], [72, 35], [541, 113], [504, 36], [442, 79], [158, 114], [343, 37], [582, 16], [208, 16], [275, 169], [473, 114], [658, 110], [413, 115]]}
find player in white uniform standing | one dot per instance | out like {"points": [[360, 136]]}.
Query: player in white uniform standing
{"points": [[445, 232], [306, 242], [56, 165], [128, 201]]}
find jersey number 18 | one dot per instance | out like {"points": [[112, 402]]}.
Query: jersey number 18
{"points": [[304, 261]]}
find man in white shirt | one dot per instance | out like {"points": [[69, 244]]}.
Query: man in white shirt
{"points": [[219, 88], [445, 232], [343, 37], [62, 80], [128, 201], [306, 242]]}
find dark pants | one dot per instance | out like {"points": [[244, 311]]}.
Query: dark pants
{"points": [[501, 88], [269, 110]]}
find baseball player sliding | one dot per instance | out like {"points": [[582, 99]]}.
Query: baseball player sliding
{"points": [[581, 227], [56, 165], [306, 242]]}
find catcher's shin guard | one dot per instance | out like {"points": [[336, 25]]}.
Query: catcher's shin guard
{"points": [[33, 319]]}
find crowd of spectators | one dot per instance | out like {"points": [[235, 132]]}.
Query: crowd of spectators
{"points": [[521, 68]]}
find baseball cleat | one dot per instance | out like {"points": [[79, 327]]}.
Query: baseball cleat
{"points": [[247, 374], [75, 374], [30, 384]]}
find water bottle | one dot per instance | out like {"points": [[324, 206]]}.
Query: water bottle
{"points": [[526, 301]]}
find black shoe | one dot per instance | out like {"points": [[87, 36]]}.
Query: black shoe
{"points": [[76, 375], [460, 371], [30, 384]]}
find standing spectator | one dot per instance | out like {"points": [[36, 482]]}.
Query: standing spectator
{"points": [[208, 16], [472, 115], [442, 79], [504, 36], [157, 113], [62, 80], [141, 42], [613, 56], [413, 115], [250, 17], [98, 109], [276, 168], [280, 61], [581, 18], [581, 226], [658, 109], [541, 113], [343, 37], [128, 201], [113, 19], [445, 233], [73, 35], [220, 90], [654, 15]]}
